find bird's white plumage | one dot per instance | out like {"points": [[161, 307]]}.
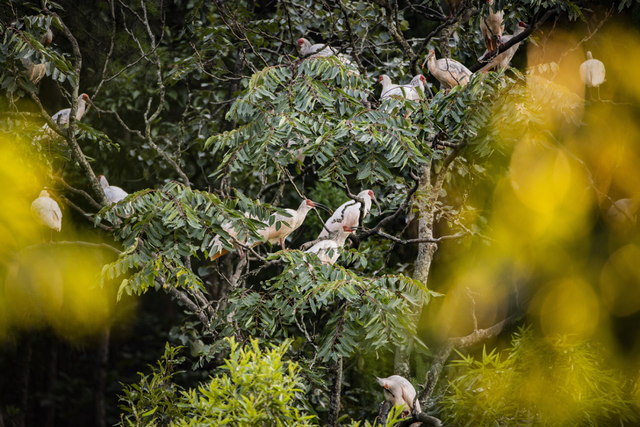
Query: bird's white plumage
{"points": [[114, 194], [449, 72], [399, 391], [271, 233], [327, 250], [407, 91], [351, 214], [592, 72], [320, 50], [46, 211]]}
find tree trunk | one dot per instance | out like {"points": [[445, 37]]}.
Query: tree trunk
{"points": [[25, 350], [423, 261], [52, 374], [336, 389], [100, 380]]}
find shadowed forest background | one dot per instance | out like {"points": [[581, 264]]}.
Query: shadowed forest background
{"points": [[500, 275]]}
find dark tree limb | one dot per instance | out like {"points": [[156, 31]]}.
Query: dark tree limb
{"points": [[514, 40], [475, 338], [336, 387], [178, 294]]}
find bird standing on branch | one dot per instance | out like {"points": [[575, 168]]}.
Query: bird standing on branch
{"points": [[491, 28], [407, 91], [349, 213], [62, 116], [46, 211], [277, 232], [592, 73], [114, 194], [327, 250], [502, 60], [449, 72], [399, 391], [317, 51]]}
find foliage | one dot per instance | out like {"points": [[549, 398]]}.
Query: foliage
{"points": [[560, 381]]}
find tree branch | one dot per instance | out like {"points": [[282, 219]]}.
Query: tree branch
{"points": [[514, 40]]}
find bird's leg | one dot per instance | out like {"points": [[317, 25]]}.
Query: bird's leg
{"points": [[282, 244], [42, 231], [599, 93]]}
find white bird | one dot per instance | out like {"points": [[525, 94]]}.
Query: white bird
{"points": [[502, 60], [349, 213], [449, 72], [271, 233], [47, 212], [327, 250], [407, 91], [62, 116], [491, 28], [399, 391], [36, 72], [114, 194], [592, 73], [317, 51]]}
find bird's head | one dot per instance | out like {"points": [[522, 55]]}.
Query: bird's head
{"points": [[347, 229], [302, 42], [423, 79], [310, 203], [88, 100], [429, 56], [522, 25]]}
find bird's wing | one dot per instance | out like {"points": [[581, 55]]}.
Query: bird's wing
{"points": [[352, 215], [333, 223], [404, 91]]}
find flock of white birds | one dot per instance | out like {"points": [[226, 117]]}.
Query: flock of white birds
{"points": [[346, 218]]}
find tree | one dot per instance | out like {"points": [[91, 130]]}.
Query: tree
{"points": [[209, 108]]}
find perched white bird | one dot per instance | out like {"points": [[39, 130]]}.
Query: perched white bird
{"points": [[407, 91], [491, 28], [114, 194], [349, 213], [36, 72], [449, 72], [317, 51], [502, 60], [62, 116], [327, 250], [272, 233], [592, 73], [47, 212], [399, 391]]}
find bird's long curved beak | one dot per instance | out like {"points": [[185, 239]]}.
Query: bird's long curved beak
{"points": [[424, 62], [323, 207], [94, 106], [378, 205]]}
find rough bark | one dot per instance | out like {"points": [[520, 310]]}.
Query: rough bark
{"points": [[52, 375], [336, 389], [446, 32], [100, 380], [423, 261], [25, 351]]}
